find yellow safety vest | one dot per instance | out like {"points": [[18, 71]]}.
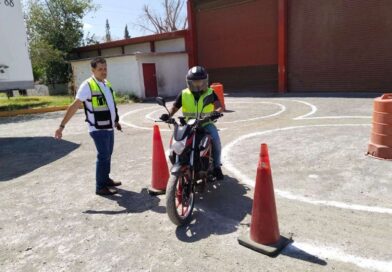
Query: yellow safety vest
{"points": [[190, 107], [100, 109]]}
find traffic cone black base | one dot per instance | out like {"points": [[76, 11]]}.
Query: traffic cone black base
{"points": [[271, 250]]}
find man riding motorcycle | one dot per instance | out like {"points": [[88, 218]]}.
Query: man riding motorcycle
{"points": [[191, 101]]}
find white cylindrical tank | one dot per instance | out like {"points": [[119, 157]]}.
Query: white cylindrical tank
{"points": [[15, 65]]}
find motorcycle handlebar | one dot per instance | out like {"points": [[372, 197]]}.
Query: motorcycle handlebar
{"points": [[169, 121], [213, 117]]}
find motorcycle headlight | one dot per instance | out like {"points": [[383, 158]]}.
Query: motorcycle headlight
{"points": [[191, 122], [178, 147]]}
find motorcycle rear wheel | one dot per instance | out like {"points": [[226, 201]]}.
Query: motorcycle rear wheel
{"points": [[180, 199]]}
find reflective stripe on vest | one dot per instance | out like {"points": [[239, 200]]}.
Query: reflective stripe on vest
{"points": [[100, 109], [190, 108]]}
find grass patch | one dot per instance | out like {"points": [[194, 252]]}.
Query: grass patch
{"points": [[123, 98], [33, 102]]}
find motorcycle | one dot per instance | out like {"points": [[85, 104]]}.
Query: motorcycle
{"points": [[192, 162]]}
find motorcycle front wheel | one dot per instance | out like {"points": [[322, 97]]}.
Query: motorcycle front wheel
{"points": [[179, 199]]}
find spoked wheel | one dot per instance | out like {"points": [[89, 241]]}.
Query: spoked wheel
{"points": [[179, 199]]}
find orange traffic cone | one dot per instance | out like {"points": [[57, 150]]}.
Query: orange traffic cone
{"points": [[264, 229], [218, 89], [160, 170], [380, 145]]}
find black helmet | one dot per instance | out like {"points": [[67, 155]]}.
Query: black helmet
{"points": [[197, 79]]}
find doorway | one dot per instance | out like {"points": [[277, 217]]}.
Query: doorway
{"points": [[150, 80]]}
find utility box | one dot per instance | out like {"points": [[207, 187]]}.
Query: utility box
{"points": [[15, 65]]}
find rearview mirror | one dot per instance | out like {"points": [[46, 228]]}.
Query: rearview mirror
{"points": [[161, 101]]}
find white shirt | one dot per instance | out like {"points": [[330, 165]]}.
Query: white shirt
{"points": [[84, 93]]}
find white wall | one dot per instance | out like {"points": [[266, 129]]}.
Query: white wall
{"points": [[134, 48], [174, 45], [39, 90], [171, 70], [111, 52], [81, 71], [13, 48], [123, 73], [126, 71], [89, 54]]}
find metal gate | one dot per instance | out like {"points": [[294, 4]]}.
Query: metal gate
{"points": [[339, 45]]}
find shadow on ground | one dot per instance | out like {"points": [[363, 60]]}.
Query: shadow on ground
{"points": [[19, 156], [31, 117], [218, 211], [296, 253], [221, 210], [132, 202]]}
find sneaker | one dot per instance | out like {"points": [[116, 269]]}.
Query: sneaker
{"points": [[218, 173]]}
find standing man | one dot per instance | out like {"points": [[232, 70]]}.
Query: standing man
{"points": [[191, 101], [97, 96]]}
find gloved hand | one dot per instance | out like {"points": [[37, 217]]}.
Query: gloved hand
{"points": [[164, 117], [215, 114], [118, 126]]}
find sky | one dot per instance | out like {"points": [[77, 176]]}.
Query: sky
{"points": [[119, 13]]}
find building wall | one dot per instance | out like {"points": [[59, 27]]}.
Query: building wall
{"points": [[135, 48], [171, 70], [89, 54], [237, 41], [175, 45], [80, 71], [126, 71], [339, 45], [111, 52], [123, 73]]}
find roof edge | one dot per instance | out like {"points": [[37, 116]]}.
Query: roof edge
{"points": [[142, 39]]}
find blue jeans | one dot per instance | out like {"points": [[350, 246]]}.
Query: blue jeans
{"points": [[216, 144], [104, 142]]}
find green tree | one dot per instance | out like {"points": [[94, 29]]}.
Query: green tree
{"points": [[43, 55], [126, 33], [90, 39], [54, 28], [108, 37]]}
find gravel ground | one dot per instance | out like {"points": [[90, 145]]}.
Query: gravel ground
{"points": [[333, 199]]}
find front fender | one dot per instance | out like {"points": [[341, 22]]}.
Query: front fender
{"points": [[175, 170], [178, 169]]}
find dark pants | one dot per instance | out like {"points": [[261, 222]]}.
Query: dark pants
{"points": [[104, 142], [216, 144]]}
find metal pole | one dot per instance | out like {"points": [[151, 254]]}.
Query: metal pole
{"points": [[282, 45]]}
